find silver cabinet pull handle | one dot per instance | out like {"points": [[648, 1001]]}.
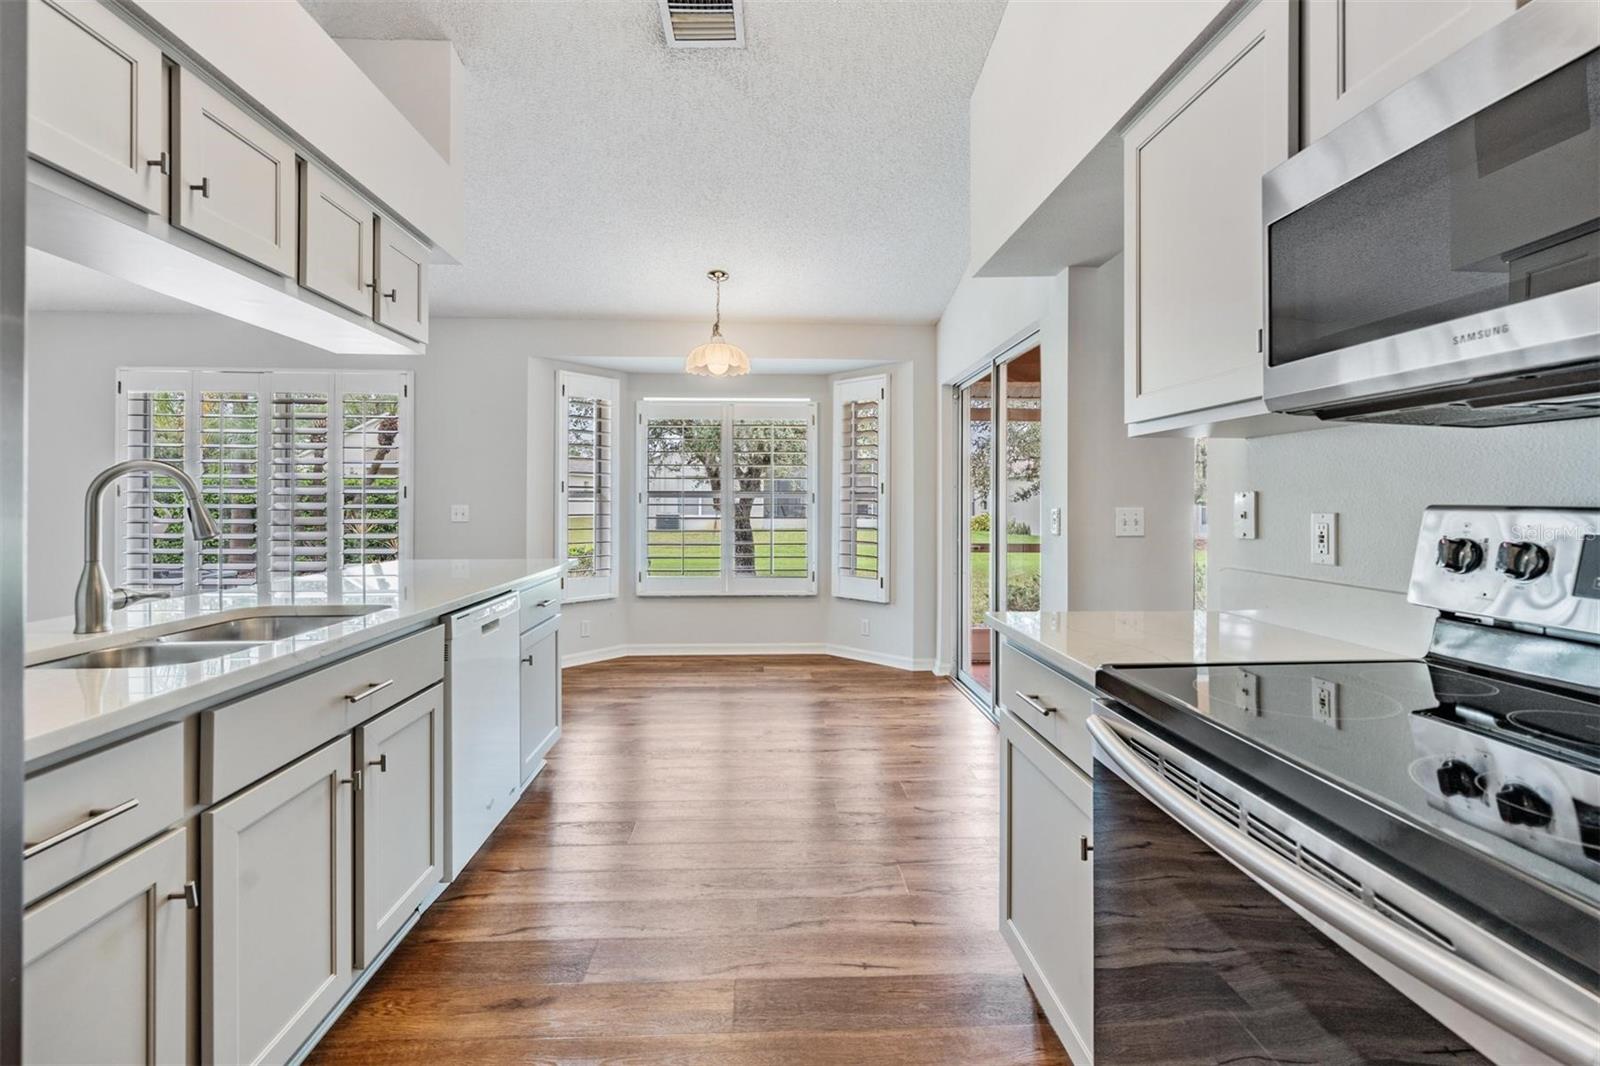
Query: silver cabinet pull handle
{"points": [[96, 818], [393, 295], [1033, 702], [161, 164], [190, 894], [204, 188], [1084, 848], [370, 690], [1556, 1034], [381, 762], [544, 603]]}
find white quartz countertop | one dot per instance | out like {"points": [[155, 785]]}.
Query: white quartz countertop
{"points": [[1081, 642], [67, 711]]}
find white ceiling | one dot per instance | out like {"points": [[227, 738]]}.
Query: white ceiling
{"points": [[759, 364], [824, 165]]}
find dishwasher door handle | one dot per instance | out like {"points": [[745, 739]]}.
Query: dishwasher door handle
{"points": [[1551, 1031]]}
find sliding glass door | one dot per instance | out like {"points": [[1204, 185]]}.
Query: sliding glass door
{"points": [[999, 523], [975, 412]]}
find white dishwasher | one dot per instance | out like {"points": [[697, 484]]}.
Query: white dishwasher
{"points": [[483, 725]]}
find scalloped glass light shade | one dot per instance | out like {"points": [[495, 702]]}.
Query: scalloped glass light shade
{"points": [[717, 358]]}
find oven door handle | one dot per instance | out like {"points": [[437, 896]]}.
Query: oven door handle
{"points": [[1551, 1031]]}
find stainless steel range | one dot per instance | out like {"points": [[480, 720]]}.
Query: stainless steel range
{"points": [[1437, 820]]}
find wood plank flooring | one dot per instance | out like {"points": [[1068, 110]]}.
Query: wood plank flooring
{"points": [[745, 860]]}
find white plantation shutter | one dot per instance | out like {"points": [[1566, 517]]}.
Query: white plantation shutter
{"points": [[373, 499], [861, 499], [303, 472], [151, 542], [229, 422], [727, 498], [586, 408]]}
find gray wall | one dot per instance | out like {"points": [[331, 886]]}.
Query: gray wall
{"points": [[1107, 469], [1378, 479]]}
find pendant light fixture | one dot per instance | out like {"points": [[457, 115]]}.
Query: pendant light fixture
{"points": [[716, 357]]}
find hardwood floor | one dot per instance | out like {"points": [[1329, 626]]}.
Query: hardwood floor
{"points": [[743, 860]]}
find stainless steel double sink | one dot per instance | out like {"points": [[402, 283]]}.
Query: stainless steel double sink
{"points": [[212, 640]]}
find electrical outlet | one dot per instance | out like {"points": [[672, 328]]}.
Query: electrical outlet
{"points": [[1244, 515], [1325, 702], [1130, 521], [1325, 539], [1247, 699], [460, 512], [866, 627], [586, 628], [1055, 521]]}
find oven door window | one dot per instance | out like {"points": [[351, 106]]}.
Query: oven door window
{"points": [[1500, 208]]}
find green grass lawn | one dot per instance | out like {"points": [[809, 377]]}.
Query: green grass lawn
{"points": [[699, 552], [1022, 571]]}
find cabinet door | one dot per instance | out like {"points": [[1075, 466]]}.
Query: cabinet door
{"points": [[336, 249], [402, 302], [105, 975], [399, 819], [541, 694], [236, 178], [1046, 880], [97, 104], [276, 865], [1358, 51], [1193, 231]]}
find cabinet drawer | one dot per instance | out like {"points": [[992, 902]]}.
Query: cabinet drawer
{"points": [[1056, 706], [244, 741], [538, 603], [114, 799]]}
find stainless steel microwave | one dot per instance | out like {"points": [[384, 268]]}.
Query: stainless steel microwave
{"points": [[1436, 259]]}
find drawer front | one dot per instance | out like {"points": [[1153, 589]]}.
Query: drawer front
{"points": [[244, 741], [539, 602], [79, 815], [1056, 706]]}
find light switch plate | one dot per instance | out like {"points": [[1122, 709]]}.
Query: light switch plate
{"points": [[1130, 521], [1244, 515], [460, 512], [1325, 539]]}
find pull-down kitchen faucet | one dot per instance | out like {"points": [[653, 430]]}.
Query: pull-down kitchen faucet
{"points": [[96, 599]]}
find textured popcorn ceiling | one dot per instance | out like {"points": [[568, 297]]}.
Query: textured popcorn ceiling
{"points": [[825, 165]]}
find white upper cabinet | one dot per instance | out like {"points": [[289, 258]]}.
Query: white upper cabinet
{"points": [[402, 302], [236, 178], [1193, 165], [97, 102], [336, 248], [1357, 51]]}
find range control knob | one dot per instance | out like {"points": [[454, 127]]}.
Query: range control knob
{"points": [[1460, 555], [1458, 778], [1521, 805], [1522, 560]]}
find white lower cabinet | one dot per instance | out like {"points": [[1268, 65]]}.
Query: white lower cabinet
{"points": [[277, 863], [106, 963], [541, 694], [1047, 880], [399, 818]]}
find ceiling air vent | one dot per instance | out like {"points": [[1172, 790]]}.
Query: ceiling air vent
{"points": [[703, 23]]}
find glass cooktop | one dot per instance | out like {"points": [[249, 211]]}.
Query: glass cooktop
{"points": [[1509, 770]]}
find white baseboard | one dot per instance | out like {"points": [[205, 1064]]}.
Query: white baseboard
{"points": [[840, 651]]}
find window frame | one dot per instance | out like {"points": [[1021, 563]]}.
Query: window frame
{"points": [[572, 384], [849, 586], [192, 382], [726, 582]]}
